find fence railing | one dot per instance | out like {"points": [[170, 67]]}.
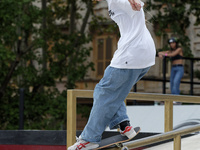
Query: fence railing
{"points": [[164, 79], [72, 96]]}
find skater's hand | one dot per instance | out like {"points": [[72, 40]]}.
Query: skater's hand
{"points": [[135, 4], [160, 56]]}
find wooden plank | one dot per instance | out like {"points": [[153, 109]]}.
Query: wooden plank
{"points": [[168, 116], [71, 118], [146, 96], [73, 94], [177, 142], [83, 93], [162, 97]]}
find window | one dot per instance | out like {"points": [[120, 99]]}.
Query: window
{"points": [[104, 47]]}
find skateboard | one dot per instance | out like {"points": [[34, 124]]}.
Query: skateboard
{"points": [[116, 141]]}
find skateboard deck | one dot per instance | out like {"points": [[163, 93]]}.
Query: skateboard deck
{"points": [[116, 140]]}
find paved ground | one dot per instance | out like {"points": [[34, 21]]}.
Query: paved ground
{"points": [[190, 143]]}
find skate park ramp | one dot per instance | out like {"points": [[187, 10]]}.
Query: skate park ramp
{"points": [[151, 118]]}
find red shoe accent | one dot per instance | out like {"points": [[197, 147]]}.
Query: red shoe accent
{"points": [[82, 145], [128, 128]]}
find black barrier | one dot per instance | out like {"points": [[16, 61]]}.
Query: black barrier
{"points": [[46, 137]]}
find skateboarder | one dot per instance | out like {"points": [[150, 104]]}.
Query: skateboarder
{"points": [[131, 61]]}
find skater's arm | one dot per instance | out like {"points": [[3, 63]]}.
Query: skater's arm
{"points": [[174, 53], [163, 53]]}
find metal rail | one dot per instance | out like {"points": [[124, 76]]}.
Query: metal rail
{"points": [[176, 135]]}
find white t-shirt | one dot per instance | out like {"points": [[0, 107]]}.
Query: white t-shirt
{"points": [[136, 48]]}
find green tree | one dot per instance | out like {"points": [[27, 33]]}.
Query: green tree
{"points": [[40, 45], [175, 15]]}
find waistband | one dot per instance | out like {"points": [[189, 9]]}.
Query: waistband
{"points": [[177, 65]]}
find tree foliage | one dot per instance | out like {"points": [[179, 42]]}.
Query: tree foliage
{"points": [[174, 16], [41, 44]]}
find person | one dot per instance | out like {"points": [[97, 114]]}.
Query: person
{"points": [[133, 58], [177, 69]]}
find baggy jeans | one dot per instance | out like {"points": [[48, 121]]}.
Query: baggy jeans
{"points": [[108, 107], [175, 79]]}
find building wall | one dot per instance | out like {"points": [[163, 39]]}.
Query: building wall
{"points": [[156, 71]]}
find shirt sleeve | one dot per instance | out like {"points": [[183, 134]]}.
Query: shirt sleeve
{"points": [[126, 6]]}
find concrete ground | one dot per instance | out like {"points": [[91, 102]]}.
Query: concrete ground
{"points": [[151, 118]]}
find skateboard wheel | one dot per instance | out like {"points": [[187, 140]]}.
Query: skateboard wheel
{"points": [[125, 148]]}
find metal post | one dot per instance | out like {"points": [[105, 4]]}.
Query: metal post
{"points": [[21, 109], [164, 75], [191, 76], [135, 90]]}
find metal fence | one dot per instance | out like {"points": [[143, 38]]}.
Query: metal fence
{"points": [[164, 80]]}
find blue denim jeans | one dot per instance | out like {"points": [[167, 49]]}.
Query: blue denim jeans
{"points": [[108, 107], [175, 79]]}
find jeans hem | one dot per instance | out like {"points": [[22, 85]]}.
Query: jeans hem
{"points": [[115, 123]]}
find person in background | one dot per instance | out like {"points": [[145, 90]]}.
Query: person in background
{"points": [[177, 70], [133, 58]]}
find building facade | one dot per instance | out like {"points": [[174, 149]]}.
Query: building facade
{"points": [[104, 46]]}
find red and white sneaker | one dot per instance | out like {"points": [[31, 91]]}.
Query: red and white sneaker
{"points": [[83, 145], [129, 132]]}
